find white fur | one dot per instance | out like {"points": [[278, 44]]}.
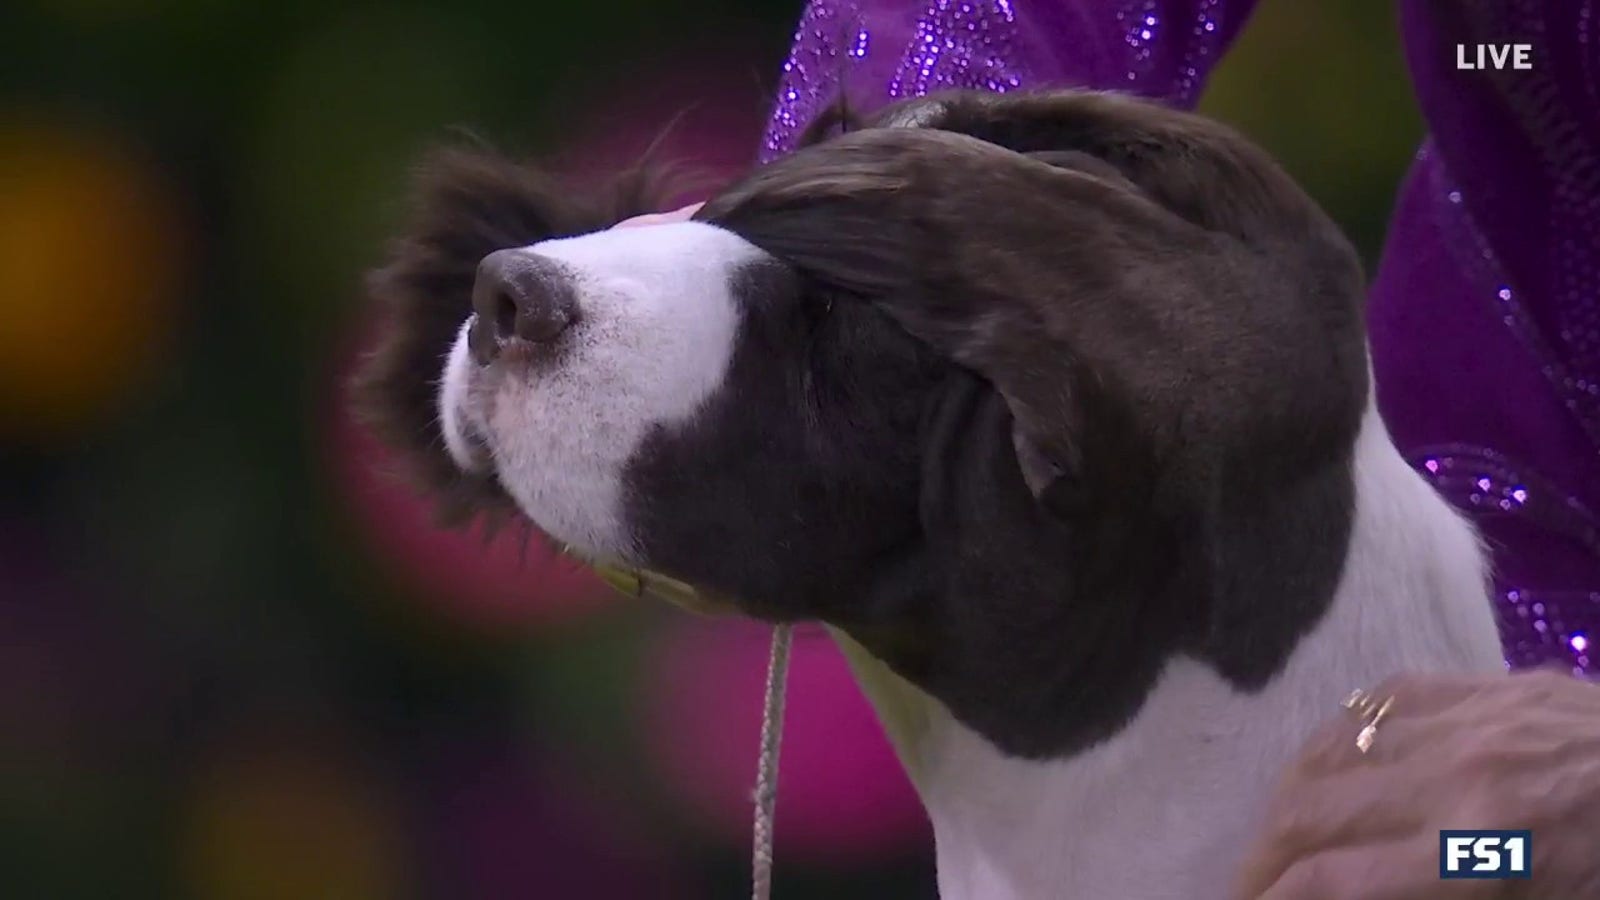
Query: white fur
{"points": [[656, 325], [463, 443], [1166, 808]]}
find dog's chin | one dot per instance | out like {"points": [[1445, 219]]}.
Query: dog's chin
{"points": [[459, 420]]}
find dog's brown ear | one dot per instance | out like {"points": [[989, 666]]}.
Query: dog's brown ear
{"points": [[1041, 275], [1149, 261], [468, 201], [1179, 345]]}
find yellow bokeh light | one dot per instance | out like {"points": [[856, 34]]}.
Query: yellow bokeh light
{"points": [[91, 260], [287, 823]]}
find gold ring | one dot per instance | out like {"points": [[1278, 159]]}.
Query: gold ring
{"points": [[1372, 712]]}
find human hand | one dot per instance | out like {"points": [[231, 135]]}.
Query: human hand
{"points": [[1453, 752]]}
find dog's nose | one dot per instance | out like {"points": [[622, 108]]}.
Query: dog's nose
{"points": [[519, 297]]}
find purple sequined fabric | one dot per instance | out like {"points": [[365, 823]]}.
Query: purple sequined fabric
{"points": [[875, 52], [1485, 315]]}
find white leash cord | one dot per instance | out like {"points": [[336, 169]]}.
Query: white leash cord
{"points": [[766, 793]]}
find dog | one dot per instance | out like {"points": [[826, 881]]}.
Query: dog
{"points": [[1054, 406]]}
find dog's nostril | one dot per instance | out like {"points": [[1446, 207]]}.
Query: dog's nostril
{"points": [[505, 316]]}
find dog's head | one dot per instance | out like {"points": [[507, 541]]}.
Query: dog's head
{"points": [[1026, 393]]}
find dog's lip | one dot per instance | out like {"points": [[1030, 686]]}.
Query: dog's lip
{"points": [[466, 435], [481, 345], [480, 460]]}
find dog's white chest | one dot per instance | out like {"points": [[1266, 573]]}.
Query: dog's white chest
{"points": [[1161, 810], [1168, 806]]}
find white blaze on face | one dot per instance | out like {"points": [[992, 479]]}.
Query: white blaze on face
{"points": [[656, 324]]}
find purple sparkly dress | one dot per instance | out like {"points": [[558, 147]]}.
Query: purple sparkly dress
{"points": [[1485, 313]]}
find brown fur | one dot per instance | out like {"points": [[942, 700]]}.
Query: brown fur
{"points": [[1029, 270]]}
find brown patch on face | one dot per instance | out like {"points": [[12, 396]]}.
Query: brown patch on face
{"points": [[467, 203]]}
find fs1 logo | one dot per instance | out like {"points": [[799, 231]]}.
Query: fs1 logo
{"points": [[1485, 854]]}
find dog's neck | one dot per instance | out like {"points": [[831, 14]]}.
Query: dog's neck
{"points": [[1166, 807]]}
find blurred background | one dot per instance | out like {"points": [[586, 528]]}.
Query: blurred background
{"points": [[236, 662]]}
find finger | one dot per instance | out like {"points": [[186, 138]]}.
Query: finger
{"points": [[678, 215], [1356, 807], [1399, 736], [1436, 691], [640, 221], [1551, 686], [1399, 870], [1414, 699], [1451, 713]]}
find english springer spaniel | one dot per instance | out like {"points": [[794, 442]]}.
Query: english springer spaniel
{"points": [[1055, 407]]}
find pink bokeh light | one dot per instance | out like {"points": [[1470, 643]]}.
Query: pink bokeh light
{"points": [[842, 795]]}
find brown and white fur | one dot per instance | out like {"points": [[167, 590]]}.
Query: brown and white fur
{"points": [[1055, 407]]}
